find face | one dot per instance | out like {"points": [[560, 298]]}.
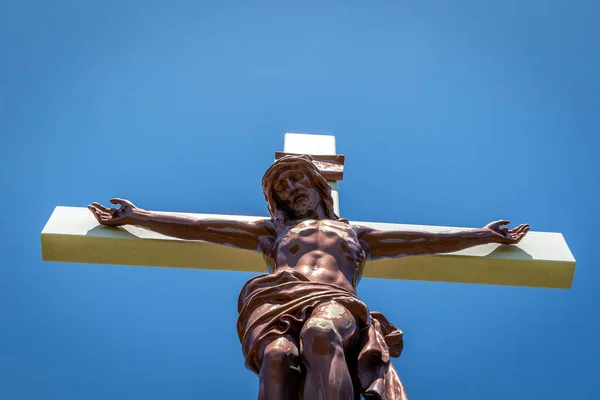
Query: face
{"points": [[294, 188]]}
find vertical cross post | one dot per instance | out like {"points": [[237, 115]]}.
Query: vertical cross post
{"points": [[322, 149]]}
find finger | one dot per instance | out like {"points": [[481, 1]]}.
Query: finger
{"points": [[522, 228], [517, 229], [99, 211], [96, 213], [103, 218], [94, 209], [122, 202], [498, 224], [100, 207], [514, 239], [519, 238], [521, 235]]}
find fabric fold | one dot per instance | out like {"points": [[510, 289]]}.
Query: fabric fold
{"points": [[273, 305]]}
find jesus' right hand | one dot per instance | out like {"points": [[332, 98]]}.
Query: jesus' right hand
{"points": [[114, 216]]}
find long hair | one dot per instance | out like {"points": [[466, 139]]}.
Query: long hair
{"points": [[280, 215]]}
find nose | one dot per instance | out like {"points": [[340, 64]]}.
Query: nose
{"points": [[291, 187], [292, 184]]}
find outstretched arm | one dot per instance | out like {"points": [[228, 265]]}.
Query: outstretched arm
{"points": [[242, 234], [380, 244]]}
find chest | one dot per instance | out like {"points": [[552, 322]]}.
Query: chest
{"points": [[321, 234]]}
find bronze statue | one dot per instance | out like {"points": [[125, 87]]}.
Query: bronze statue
{"points": [[302, 327]]}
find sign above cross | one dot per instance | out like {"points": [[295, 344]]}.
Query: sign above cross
{"points": [[541, 259]]}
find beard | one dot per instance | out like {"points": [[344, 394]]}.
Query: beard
{"points": [[304, 210], [306, 207]]}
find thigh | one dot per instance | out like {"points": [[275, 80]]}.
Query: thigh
{"points": [[339, 317]]}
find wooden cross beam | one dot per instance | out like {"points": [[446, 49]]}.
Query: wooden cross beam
{"points": [[541, 259]]}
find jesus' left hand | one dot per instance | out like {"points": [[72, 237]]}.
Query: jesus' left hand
{"points": [[501, 233]]}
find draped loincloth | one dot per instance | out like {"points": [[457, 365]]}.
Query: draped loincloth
{"points": [[273, 305]]}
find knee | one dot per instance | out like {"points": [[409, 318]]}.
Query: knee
{"points": [[319, 337], [280, 353]]}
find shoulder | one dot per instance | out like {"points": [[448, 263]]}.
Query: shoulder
{"points": [[267, 240], [362, 230], [363, 233], [265, 227]]}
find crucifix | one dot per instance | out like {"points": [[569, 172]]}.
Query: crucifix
{"points": [[302, 328]]}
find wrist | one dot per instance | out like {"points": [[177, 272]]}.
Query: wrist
{"points": [[489, 236], [139, 216]]}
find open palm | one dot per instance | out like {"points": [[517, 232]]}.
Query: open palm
{"points": [[113, 216], [507, 236]]}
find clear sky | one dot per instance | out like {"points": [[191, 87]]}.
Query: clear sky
{"points": [[449, 113]]}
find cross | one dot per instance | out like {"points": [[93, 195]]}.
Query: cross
{"points": [[541, 259]]}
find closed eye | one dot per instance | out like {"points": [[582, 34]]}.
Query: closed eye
{"points": [[279, 188]]}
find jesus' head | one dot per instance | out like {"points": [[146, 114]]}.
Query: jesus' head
{"points": [[294, 189]]}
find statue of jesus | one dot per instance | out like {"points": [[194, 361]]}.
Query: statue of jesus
{"points": [[302, 328]]}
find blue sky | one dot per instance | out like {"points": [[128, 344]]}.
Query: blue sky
{"points": [[449, 113]]}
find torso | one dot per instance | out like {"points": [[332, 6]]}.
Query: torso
{"points": [[323, 250]]}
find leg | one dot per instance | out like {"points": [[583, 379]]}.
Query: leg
{"points": [[280, 377], [329, 331]]}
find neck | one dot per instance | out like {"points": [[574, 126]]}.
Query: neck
{"points": [[319, 212]]}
